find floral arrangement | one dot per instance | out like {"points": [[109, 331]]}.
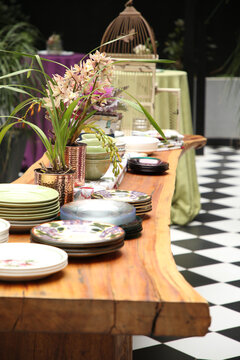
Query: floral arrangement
{"points": [[70, 102], [90, 84]]}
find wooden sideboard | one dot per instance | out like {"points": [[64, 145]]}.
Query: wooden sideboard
{"points": [[90, 309]]}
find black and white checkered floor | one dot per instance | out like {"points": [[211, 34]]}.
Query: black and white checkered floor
{"points": [[207, 253]]}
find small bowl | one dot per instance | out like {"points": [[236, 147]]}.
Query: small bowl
{"points": [[98, 156], [95, 149], [91, 142], [88, 136], [96, 168]]}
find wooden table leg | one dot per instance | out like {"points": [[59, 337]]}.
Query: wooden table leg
{"points": [[52, 346]]}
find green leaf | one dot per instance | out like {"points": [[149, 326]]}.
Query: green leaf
{"points": [[39, 132], [13, 88], [5, 130], [147, 114], [29, 73], [15, 73]]}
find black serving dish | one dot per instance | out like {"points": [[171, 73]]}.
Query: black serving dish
{"points": [[147, 165]]}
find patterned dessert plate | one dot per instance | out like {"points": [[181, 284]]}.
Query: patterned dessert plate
{"points": [[77, 234], [88, 253], [132, 197]]}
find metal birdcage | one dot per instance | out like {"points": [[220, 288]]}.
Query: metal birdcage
{"points": [[139, 40], [140, 77]]}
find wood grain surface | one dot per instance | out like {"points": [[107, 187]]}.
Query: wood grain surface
{"points": [[137, 290]]}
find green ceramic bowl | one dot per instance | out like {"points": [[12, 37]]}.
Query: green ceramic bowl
{"points": [[91, 142], [95, 169], [96, 156], [95, 149], [88, 136]]}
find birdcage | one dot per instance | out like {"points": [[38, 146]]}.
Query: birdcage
{"points": [[138, 40]]}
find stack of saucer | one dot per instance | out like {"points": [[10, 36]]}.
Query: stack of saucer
{"points": [[24, 261], [80, 238], [147, 165], [4, 230], [25, 205], [121, 146], [141, 201]]}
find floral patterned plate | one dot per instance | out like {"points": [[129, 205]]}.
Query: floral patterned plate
{"points": [[87, 253], [132, 197], [25, 261], [77, 233], [92, 251]]}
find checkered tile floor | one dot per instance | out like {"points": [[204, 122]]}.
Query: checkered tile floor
{"points": [[207, 253]]}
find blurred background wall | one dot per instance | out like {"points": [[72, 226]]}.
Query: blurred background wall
{"points": [[201, 47]]}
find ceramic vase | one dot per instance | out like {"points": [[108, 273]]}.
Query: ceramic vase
{"points": [[63, 183], [75, 157]]}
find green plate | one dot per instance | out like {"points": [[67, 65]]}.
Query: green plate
{"points": [[28, 206], [30, 217], [26, 194], [29, 210]]}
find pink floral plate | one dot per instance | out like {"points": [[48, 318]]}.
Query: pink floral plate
{"points": [[26, 261]]}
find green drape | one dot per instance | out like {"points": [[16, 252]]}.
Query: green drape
{"points": [[186, 199]]}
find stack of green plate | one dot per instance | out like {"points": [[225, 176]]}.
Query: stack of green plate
{"points": [[25, 205], [141, 201]]}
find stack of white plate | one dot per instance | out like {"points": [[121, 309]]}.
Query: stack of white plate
{"points": [[80, 238], [4, 230], [121, 146], [25, 206], [144, 144], [25, 261]]}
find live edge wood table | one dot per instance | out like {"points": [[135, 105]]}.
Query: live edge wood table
{"points": [[91, 308]]}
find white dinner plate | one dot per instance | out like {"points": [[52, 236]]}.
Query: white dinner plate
{"points": [[144, 144], [4, 226], [25, 261]]}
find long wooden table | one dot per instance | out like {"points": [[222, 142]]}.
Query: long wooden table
{"points": [[91, 308]]}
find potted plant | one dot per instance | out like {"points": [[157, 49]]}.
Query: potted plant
{"points": [[21, 37], [70, 102]]}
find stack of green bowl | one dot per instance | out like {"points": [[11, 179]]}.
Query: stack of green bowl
{"points": [[97, 159]]}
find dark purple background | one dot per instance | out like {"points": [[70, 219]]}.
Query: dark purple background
{"points": [[34, 148]]}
